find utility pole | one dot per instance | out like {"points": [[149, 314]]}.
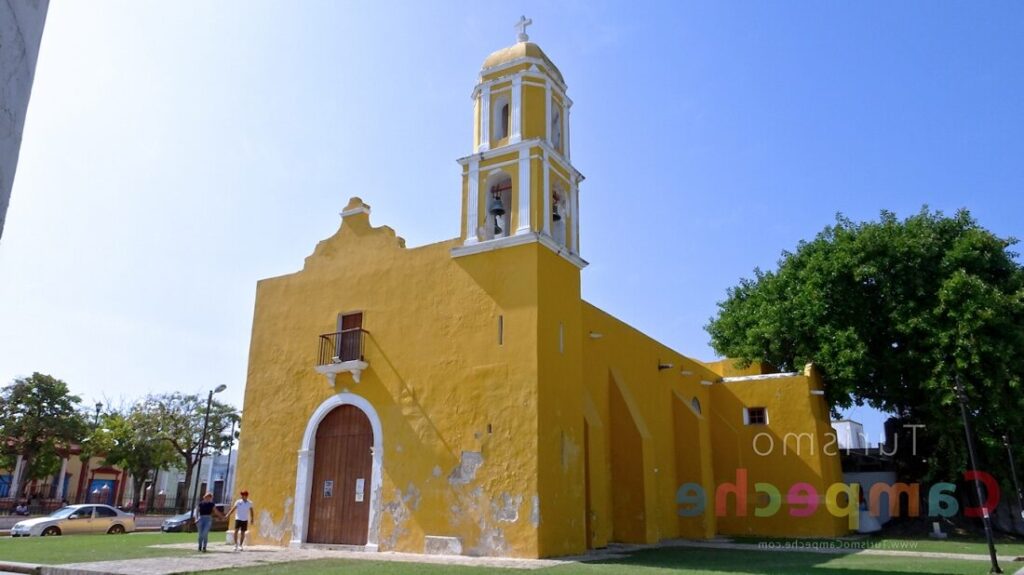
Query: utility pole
{"points": [[1013, 473], [985, 519], [202, 444]]}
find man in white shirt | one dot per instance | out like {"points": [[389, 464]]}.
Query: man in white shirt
{"points": [[243, 514]]}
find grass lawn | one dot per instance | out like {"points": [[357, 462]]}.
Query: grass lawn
{"points": [[83, 548], [973, 546], [683, 561], [692, 561]]}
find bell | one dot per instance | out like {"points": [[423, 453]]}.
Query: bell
{"points": [[495, 207], [554, 213]]}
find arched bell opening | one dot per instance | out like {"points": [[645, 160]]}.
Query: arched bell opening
{"points": [[498, 217]]}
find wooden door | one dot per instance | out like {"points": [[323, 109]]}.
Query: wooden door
{"points": [[339, 504], [350, 328]]}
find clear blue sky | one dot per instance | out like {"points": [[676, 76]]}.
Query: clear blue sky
{"points": [[176, 152]]}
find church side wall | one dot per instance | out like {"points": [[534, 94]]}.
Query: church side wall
{"points": [[638, 454]]}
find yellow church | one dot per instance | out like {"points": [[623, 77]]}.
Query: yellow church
{"points": [[461, 398]]}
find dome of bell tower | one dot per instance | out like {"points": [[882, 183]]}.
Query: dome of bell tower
{"points": [[519, 52]]}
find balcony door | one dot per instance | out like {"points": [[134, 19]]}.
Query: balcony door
{"points": [[350, 326]]}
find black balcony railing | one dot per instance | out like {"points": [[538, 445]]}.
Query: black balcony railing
{"points": [[345, 345]]}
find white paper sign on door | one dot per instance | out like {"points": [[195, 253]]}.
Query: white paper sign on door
{"points": [[360, 483], [328, 488]]}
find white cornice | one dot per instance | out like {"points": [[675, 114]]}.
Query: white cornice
{"points": [[759, 377], [364, 209], [526, 76], [518, 240], [519, 61], [554, 154]]}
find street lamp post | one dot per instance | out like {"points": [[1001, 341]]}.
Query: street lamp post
{"points": [[86, 460], [1013, 473], [202, 442], [985, 519], [227, 474]]}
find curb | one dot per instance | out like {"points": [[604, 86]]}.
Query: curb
{"points": [[30, 568], [35, 569]]}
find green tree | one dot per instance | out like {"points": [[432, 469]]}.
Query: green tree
{"points": [[39, 419], [893, 312], [128, 445], [177, 419]]}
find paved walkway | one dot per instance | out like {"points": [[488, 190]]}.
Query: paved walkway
{"points": [[222, 556]]}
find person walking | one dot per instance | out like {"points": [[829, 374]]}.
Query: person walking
{"points": [[243, 514], [204, 519]]}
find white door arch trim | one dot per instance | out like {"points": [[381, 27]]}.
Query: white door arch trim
{"points": [[304, 475]]}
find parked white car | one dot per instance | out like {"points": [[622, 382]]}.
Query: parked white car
{"points": [[76, 519]]}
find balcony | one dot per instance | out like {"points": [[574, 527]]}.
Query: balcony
{"points": [[342, 352]]}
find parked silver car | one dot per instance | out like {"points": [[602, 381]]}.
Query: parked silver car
{"points": [[88, 518]]}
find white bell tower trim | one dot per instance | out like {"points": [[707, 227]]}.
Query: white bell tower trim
{"points": [[515, 123], [485, 118], [547, 109], [565, 132], [574, 207], [472, 201], [546, 202], [524, 191]]}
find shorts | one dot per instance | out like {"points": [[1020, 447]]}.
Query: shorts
{"points": [[241, 525]]}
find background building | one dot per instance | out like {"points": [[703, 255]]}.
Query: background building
{"points": [[849, 434], [21, 30]]}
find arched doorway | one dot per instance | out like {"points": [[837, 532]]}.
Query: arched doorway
{"points": [[339, 498]]}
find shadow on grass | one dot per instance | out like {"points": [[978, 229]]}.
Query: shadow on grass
{"points": [[789, 563]]}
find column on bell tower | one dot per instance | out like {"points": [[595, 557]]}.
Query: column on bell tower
{"points": [[519, 184]]}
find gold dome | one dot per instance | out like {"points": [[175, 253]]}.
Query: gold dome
{"points": [[517, 51]]}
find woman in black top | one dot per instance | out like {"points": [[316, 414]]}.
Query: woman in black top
{"points": [[204, 513]]}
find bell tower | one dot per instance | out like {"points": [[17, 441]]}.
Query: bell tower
{"points": [[519, 185]]}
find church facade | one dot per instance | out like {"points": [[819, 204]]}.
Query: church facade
{"points": [[461, 398]]}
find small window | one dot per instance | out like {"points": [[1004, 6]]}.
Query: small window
{"points": [[695, 404], [755, 416], [556, 127], [501, 118]]}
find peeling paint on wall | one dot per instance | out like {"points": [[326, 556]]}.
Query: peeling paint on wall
{"points": [[535, 511], [277, 530], [570, 451], [465, 472], [508, 509], [400, 508]]}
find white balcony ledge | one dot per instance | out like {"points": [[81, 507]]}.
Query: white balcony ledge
{"points": [[331, 370]]}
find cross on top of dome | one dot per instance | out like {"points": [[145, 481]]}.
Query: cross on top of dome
{"points": [[521, 26]]}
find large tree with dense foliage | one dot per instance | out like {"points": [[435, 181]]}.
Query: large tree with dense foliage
{"points": [[177, 419], [127, 442], [39, 420], [894, 312]]}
